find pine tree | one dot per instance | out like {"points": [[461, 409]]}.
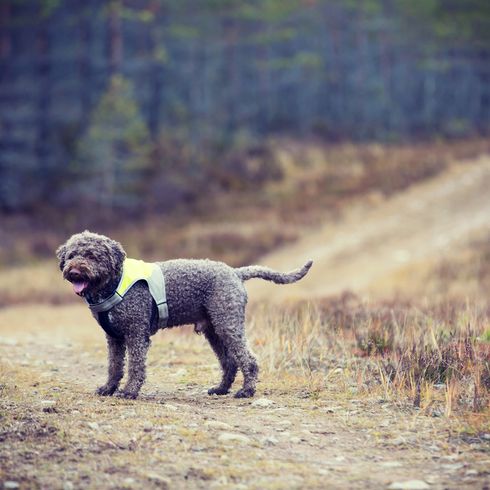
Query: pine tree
{"points": [[113, 156]]}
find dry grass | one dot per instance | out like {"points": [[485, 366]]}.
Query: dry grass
{"points": [[436, 358]]}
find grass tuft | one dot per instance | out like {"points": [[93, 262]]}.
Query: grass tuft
{"points": [[426, 356]]}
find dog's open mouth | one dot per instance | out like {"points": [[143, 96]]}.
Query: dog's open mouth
{"points": [[79, 287], [78, 280]]}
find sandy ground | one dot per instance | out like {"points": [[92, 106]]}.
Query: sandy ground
{"points": [[59, 435], [54, 433]]}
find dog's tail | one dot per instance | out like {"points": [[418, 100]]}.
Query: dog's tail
{"points": [[246, 273]]}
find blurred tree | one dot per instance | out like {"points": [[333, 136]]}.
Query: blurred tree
{"points": [[112, 158]]}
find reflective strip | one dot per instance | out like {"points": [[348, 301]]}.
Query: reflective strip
{"points": [[107, 304], [156, 284]]}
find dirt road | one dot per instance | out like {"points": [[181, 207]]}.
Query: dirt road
{"points": [[361, 252], [56, 434]]}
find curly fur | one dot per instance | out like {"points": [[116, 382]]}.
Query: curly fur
{"points": [[208, 294]]}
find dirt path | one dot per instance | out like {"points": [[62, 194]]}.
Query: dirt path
{"points": [[55, 433], [373, 242]]}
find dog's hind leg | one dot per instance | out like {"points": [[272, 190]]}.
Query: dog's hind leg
{"points": [[247, 364], [228, 364], [228, 320], [116, 352]]}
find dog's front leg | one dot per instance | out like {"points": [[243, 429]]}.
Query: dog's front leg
{"points": [[138, 344], [116, 350]]}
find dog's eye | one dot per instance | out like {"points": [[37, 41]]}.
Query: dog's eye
{"points": [[90, 255], [70, 256]]}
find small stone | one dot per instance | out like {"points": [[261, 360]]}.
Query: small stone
{"points": [[48, 405], [93, 425], [10, 484], [217, 424], [295, 440], [486, 437], [269, 441], [330, 409], [471, 473], [221, 482], [158, 480], [68, 485], [262, 403], [400, 441], [391, 464], [129, 482], [147, 427], [409, 485], [230, 437], [452, 467], [435, 448], [170, 407]]}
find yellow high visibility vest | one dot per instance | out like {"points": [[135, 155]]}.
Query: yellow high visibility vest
{"points": [[134, 271]]}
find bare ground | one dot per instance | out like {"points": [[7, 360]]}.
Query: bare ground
{"points": [[54, 433]]}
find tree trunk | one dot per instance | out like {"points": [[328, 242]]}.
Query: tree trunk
{"points": [[84, 63], [43, 94], [115, 41], [5, 36]]}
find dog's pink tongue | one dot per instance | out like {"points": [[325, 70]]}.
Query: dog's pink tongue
{"points": [[79, 286]]}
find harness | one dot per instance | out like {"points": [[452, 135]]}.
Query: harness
{"points": [[133, 271]]}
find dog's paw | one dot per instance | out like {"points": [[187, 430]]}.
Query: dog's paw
{"points": [[105, 390], [245, 393], [128, 395], [217, 390]]}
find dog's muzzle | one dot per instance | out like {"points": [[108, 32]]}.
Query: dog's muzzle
{"points": [[78, 280]]}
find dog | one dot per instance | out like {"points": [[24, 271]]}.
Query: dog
{"points": [[209, 294]]}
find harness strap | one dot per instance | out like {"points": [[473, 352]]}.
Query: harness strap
{"points": [[103, 318], [113, 300], [156, 285]]}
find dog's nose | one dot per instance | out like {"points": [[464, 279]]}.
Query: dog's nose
{"points": [[75, 271]]}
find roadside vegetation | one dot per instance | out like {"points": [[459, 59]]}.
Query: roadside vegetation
{"points": [[264, 196]]}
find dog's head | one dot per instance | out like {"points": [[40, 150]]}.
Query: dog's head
{"points": [[90, 261]]}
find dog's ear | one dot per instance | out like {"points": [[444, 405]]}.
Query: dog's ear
{"points": [[117, 253], [61, 254]]}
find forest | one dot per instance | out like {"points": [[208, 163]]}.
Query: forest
{"points": [[136, 105]]}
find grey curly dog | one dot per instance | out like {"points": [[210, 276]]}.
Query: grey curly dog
{"points": [[208, 294]]}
